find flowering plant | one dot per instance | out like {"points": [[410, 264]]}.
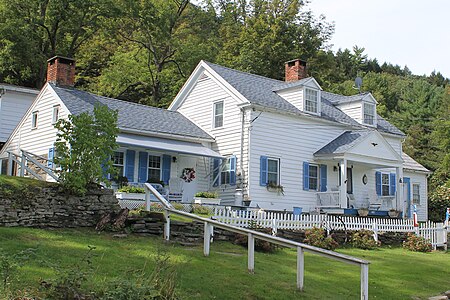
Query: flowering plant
{"points": [[188, 174]]}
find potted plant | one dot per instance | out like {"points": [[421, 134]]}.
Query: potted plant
{"points": [[363, 212], [207, 198], [131, 192], [393, 213], [246, 200], [273, 187]]}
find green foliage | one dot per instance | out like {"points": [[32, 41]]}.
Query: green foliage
{"points": [[207, 194], [438, 203], [317, 237], [9, 269], [84, 146], [199, 209], [363, 239], [131, 189], [260, 245], [417, 243]]}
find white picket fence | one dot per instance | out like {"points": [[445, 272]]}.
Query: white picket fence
{"points": [[436, 233]]}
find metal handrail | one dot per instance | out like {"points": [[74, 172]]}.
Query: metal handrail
{"points": [[252, 234]]}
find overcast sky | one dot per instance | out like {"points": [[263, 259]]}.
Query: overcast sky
{"points": [[413, 33]]}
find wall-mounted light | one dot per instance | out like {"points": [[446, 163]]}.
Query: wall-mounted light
{"points": [[174, 159], [335, 168], [400, 180]]}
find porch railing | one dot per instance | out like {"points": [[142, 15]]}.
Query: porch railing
{"points": [[328, 199], [30, 164], [252, 235]]}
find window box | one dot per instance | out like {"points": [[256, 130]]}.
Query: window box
{"points": [[200, 200], [272, 187], [130, 196]]}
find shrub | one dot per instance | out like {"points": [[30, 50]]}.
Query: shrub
{"points": [[317, 237], [178, 206], [131, 189], [417, 243], [363, 239], [438, 202], [200, 210], [260, 245], [207, 195]]}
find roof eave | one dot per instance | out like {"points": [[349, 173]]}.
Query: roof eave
{"points": [[166, 135]]}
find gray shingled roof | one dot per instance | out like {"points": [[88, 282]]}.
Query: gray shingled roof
{"points": [[132, 115], [339, 99], [343, 142], [410, 164], [261, 91]]}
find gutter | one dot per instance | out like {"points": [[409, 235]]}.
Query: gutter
{"points": [[166, 135]]}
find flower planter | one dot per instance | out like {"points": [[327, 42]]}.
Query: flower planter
{"points": [[199, 200], [130, 196], [393, 213], [363, 212]]}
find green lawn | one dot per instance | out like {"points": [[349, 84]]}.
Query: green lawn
{"points": [[393, 274]]}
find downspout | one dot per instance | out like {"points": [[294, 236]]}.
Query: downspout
{"points": [[240, 188]]}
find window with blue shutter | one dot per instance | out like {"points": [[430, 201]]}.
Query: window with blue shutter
{"points": [[392, 184], [143, 166], [129, 165], [305, 176], [216, 169], [263, 171], [51, 156], [378, 183], [323, 178], [166, 162], [232, 170]]}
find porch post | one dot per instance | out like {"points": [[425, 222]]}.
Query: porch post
{"points": [[343, 184], [399, 191]]}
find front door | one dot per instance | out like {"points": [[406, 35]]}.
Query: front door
{"points": [[407, 193], [349, 181]]}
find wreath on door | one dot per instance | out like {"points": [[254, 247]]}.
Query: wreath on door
{"points": [[188, 174]]}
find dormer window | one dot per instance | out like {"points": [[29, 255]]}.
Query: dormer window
{"points": [[311, 100], [369, 114]]}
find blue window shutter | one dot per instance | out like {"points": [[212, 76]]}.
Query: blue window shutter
{"points": [[129, 165], [216, 166], [378, 182], [263, 171], [323, 178], [51, 156], [306, 176], [392, 184], [233, 170], [166, 161], [143, 167]]}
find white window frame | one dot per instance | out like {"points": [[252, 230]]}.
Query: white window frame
{"points": [[225, 168], [55, 114], [373, 113], [34, 119], [306, 100], [152, 168], [384, 184], [412, 193], [219, 115], [119, 165], [318, 177], [277, 172]]}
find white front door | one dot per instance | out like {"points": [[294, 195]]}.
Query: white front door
{"points": [[189, 188]]}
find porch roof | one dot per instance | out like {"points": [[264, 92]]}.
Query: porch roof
{"points": [[168, 145]]}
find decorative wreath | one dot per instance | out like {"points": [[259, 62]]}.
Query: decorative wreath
{"points": [[188, 174]]}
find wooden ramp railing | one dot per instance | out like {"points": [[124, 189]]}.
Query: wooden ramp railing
{"points": [[30, 164], [209, 225]]}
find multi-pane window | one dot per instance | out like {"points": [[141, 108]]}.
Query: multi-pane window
{"points": [[55, 116], [311, 100], [34, 120], [117, 161], [273, 171], [313, 177], [416, 193], [385, 184], [369, 113], [226, 172], [218, 114], [154, 168]]}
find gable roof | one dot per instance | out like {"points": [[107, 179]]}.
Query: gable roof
{"points": [[343, 142], [411, 164], [260, 90], [131, 115]]}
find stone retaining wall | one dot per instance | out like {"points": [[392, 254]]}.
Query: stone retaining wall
{"points": [[49, 207]]}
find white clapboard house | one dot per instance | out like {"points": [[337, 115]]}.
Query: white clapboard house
{"points": [[278, 144]]}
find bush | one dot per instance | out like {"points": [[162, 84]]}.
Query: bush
{"points": [[200, 210], [317, 237], [260, 245], [438, 202], [417, 243], [131, 189], [207, 195], [363, 239]]}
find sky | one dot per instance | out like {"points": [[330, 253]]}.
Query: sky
{"points": [[413, 33]]}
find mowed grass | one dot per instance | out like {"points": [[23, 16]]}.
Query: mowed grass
{"points": [[393, 273]]}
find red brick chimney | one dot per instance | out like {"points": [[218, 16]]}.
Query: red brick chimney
{"points": [[61, 71], [295, 70]]}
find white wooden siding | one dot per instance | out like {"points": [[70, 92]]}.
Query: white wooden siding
{"points": [[293, 140], [13, 105], [395, 142], [353, 110], [294, 96], [198, 107], [421, 179]]}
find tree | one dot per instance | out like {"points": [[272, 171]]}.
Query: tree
{"points": [[83, 148]]}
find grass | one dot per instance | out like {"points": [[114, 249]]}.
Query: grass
{"points": [[394, 273], [19, 182]]}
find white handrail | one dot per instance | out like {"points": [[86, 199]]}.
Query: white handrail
{"points": [[301, 248]]}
